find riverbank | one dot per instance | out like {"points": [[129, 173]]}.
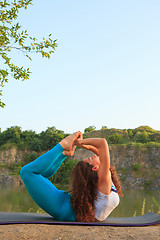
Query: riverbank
{"points": [[47, 232], [128, 181], [137, 164], [11, 180]]}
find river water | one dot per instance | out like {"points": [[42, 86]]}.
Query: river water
{"points": [[134, 202]]}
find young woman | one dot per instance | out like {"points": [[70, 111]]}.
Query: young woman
{"points": [[95, 185], [93, 195]]}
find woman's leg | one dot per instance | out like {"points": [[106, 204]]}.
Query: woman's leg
{"points": [[55, 166], [44, 193], [57, 163]]}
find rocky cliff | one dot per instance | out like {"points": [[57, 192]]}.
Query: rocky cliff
{"points": [[126, 157], [137, 167], [10, 158]]}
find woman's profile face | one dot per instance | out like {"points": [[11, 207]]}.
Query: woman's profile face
{"points": [[94, 160]]}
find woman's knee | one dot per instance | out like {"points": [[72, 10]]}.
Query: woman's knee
{"points": [[23, 173]]}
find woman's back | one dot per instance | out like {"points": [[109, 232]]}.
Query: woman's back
{"points": [[105, 204]]}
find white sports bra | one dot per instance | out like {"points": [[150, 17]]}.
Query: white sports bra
{"points": [[105, 204]]}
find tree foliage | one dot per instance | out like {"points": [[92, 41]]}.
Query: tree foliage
{"points": [[30, 139], [142, 137], [89, 129], [115, 138], [12, 37], [104, 127]]}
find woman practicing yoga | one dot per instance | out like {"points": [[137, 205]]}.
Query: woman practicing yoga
{"points": [[95, 188]]}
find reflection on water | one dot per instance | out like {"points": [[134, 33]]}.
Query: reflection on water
{"points": [[17, 199], [136, 202]]}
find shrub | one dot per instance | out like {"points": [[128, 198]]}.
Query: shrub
{"points": [[136, 167], [152, 145], [104, 127], [144, 137], [115, 138], [15, 167], [31, 157], [147, 182], [35, 144], [89, 129], [62, 176], [21, 145]]}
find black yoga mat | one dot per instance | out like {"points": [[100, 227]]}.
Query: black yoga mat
{"points": [[39, 218]]}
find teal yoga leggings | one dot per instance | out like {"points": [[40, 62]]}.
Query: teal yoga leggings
{"points": [[35, 177]]}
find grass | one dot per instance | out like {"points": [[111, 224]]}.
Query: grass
{"points": [[136, 167], [3, 165], [40, 210], [138, 171], [143, 206], [150, 210], [156, 204]]}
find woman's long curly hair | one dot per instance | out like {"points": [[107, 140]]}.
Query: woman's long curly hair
{"points": [[84, 190], [115, 180]]}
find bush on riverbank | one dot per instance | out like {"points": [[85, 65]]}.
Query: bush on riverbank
{"points": [[143, 136]]}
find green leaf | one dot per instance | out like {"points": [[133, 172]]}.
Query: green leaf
{"points": [[13, 37]]}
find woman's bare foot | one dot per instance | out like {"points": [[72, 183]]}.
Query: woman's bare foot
{"points": [[66, 153], [71, 152], [68, 142]]}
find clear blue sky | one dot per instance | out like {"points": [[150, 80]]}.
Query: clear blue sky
{"points": [[104, 72]]}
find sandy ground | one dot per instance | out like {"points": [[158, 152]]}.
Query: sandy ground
{"points": [[45, 232]]}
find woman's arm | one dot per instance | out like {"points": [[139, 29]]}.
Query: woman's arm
{"points": [[91, 148], [102, 147], [104, 176]]}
